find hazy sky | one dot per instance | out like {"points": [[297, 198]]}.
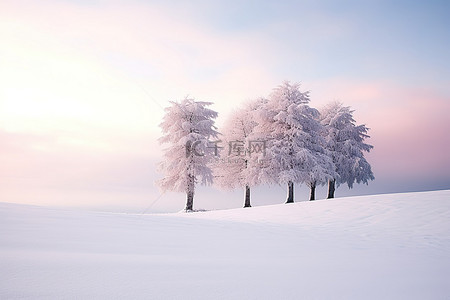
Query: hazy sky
{"points": [[83, 85]]}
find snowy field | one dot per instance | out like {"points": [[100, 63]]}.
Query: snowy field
{"points": [[373, 247]]}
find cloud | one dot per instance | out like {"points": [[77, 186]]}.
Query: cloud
{"points": [[109, 63], [408, 125]]}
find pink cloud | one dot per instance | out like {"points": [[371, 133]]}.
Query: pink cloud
{"points": [[409, 126]]}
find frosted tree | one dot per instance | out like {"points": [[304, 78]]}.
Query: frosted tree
{"points": [[345, 145], [187, 128], [295, 152], [241, 162]]}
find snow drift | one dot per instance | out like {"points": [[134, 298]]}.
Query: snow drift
{"points": [[374, 247]]}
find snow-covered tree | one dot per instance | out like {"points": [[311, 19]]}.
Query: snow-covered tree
{"points": [[187, 127], [240, 163], [345, 145], [294, 152]]}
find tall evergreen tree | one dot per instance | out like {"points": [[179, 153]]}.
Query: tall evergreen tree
{"points": [[344, 141], [187, 128], [240, 165]]}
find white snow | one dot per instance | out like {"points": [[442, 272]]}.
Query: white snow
{"points": [[373, 247]]}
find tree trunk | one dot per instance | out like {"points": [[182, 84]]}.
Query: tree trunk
{"points": [[331, 188], [290, 198], [247, 196], [190, 201], [190, 193], [312, 195]]}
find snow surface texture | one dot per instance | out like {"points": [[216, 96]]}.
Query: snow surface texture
{"points": [[373, 247]]}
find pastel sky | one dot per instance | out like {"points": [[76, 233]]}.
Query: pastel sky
{"points": [[83, 85]]}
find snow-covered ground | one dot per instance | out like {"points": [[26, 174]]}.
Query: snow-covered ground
{"points": [[374, 247]]}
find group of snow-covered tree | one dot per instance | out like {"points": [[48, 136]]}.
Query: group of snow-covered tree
{"points": [[279, 139]]}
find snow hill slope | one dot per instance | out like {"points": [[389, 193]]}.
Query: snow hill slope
{"points": [[374, 247]]}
